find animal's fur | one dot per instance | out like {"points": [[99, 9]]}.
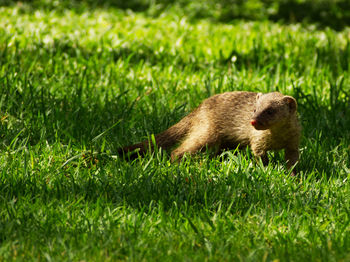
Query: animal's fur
{"points": [[226, 121]]}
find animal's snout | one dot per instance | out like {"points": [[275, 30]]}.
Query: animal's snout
{"points": [[254, 122]]}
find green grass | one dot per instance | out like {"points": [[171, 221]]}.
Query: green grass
{"points": [[75, 86]]}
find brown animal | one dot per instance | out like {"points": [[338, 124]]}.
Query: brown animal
{"points": [[262, 121]]}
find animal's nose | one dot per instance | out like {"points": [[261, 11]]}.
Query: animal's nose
{"points": [[253, 122]]}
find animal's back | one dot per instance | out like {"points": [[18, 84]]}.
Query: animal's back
{"points": [[230, 115]]}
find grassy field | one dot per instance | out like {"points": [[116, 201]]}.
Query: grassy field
{"points": [[75, 86]]}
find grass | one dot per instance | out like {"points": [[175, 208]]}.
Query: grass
{"points": [[75, 86]]}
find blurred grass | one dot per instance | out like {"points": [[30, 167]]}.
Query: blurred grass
{"points": [[323, 13]]}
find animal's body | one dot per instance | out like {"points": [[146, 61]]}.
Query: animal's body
{"points": [[262, 121]]}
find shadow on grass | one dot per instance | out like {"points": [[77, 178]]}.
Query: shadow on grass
{"points": [[132, 184], [326, 130], [261, 55]]}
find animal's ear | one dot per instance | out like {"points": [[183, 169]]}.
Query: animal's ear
{"points": [[291, 102], [258, 95]]}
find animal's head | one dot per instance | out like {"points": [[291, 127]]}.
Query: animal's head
{"points": [[272, 109]]}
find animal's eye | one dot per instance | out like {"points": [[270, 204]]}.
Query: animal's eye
{"points": [[254, 110], [270, 111]]}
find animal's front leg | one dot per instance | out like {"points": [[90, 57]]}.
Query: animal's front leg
{"points": [[291, 156], [263, 157], [260, 154]]}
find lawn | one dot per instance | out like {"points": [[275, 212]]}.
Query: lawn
{"points": [[78, 82]]}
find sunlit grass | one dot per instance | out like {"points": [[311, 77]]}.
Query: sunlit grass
{"points": [[76, 86]]}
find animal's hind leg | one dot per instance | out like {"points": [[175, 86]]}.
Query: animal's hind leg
{"points": [[191, 145]]}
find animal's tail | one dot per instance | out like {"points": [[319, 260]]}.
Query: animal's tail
{"points": [[165, 140]]}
